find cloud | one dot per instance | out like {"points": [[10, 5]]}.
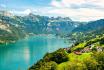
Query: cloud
{"points": [[81, 3], [65, 3], [24, 12], [27, 11], [81, 14], [56, 3], [81, 10], [78, 14]]}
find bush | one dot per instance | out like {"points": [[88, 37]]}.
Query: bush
{"points": [[91, 64], [50, 60], [76, 65], [94, 49], [58, 56], [42, 65], [99, 56]]}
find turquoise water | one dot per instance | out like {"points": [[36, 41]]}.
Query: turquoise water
{"points": [[24, 53]]}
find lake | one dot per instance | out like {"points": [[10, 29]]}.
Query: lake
{"points": [[24, 53]]}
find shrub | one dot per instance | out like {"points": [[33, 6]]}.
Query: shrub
{"points": [[91, 64], [58, 56], [42, 65], [99, 56], [94, 49], [76, 65]]}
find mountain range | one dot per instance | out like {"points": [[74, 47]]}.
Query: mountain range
{"points": [[14, 27]]}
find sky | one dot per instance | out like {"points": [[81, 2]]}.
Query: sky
{"points": [[77, 10]]}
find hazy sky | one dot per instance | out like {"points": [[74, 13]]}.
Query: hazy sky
{"points": [[81, 10]]}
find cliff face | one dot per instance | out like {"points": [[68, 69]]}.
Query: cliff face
{"points": [[17, 27]]}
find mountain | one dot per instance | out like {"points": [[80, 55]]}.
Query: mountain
{"points": [[90, 26], [45, 25], [87, 31], [40, 24], [88, 55], [87, 52], [21, 26], [9, 33]]}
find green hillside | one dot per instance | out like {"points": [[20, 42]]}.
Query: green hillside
{"points": [[87, 55]]}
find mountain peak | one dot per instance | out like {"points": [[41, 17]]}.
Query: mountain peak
{"points": [[6, 13]]}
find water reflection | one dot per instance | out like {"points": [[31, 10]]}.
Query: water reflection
{"points": [[27, 55], [24, 53]]}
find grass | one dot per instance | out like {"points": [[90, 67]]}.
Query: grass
{"points": [[78, 61], [72, 58], [81, 45]]}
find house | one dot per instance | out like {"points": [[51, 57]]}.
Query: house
{"points": [[68, 50], [86, 49], [99, 49], [77, 52]]}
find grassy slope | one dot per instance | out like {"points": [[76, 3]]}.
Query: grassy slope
{"points": [[72, 58], [83, 61]]}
